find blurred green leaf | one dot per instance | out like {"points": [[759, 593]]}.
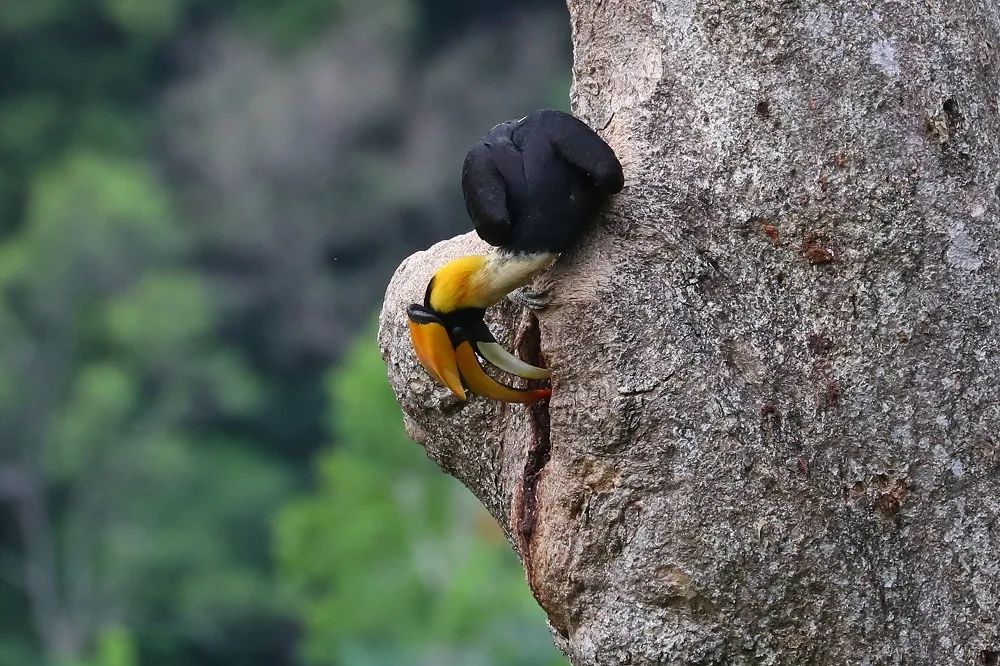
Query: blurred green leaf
{"points": [[298, 23], [142, 16], [26, 124], [161, 313], [115, 647], [101, 399], [26, 14], [92, 215]]}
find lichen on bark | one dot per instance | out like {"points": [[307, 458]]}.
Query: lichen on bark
{"points": [[773, 436]]}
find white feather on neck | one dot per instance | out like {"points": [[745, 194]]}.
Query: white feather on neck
{"points": [[504, 271]]}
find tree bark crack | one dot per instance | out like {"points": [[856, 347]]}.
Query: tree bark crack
{"points": [[539, 448]]}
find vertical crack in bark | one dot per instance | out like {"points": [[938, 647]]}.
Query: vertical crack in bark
{"points": [[538, 455], [526, 510], [539, 448]]}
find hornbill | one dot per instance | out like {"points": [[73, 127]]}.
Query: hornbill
{"points": [[531, 187]]}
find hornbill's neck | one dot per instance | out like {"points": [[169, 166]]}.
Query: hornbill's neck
{"points": [[480, 281], [449, 331]]}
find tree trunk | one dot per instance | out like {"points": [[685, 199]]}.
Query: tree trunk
{"points": [[774, 435]]}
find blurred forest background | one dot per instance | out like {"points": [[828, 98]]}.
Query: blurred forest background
{"points": [[201, 202]]}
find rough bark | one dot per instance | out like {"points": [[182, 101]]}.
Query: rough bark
{"points": [[773, 436]]}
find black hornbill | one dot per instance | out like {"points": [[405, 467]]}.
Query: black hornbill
{"points": [[531, 187]]}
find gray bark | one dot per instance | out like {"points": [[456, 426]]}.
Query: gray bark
{"points": [[773, 436]]}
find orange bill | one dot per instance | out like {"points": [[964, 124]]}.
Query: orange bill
{"points": [[482, 384], [435, 353]]}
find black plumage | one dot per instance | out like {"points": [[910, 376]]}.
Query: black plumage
{"points": [[534, 185]]}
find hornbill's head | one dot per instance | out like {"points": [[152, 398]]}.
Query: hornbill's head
{"points": [[449, 331], [531, 187]]}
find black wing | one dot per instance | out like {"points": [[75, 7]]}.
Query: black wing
{"points": [[581, 147], [486, 196]]}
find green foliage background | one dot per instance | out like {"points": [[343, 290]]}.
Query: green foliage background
{"points": [[201, 202]]}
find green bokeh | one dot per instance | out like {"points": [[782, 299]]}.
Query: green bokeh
{"points": [[201, 463]]}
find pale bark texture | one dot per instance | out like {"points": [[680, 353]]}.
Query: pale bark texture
{"points": [[774, 435]]}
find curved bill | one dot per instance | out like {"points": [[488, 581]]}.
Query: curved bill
{"points": [[503, 359], [434, 350], [473, 328], [482, 384]]}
